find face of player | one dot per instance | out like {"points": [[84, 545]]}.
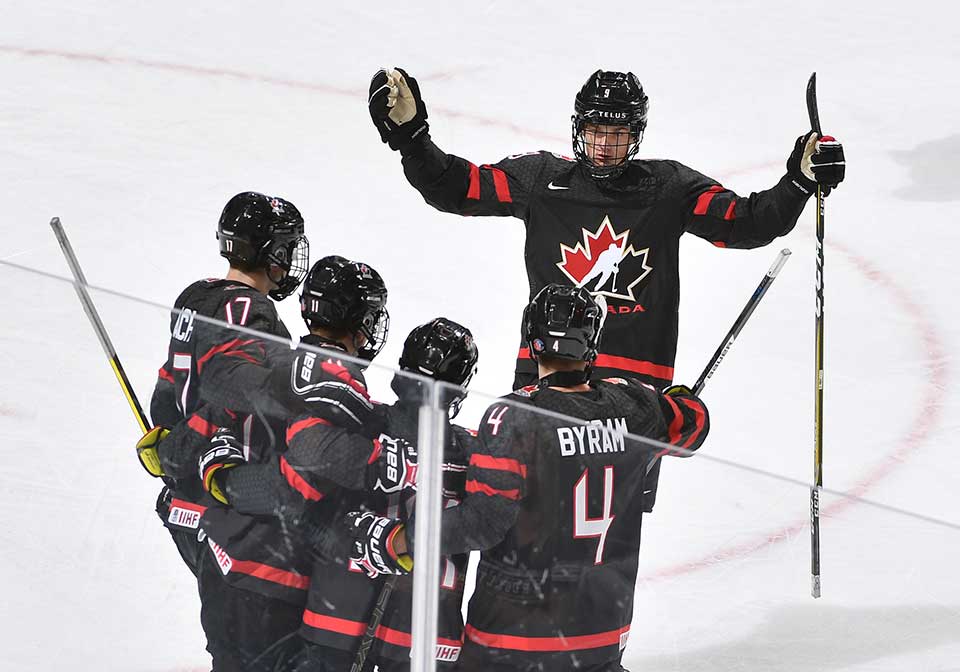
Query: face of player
{"points": [[606, 145]]}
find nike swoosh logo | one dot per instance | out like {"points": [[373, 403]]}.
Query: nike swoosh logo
{"points": [[553, 186]]}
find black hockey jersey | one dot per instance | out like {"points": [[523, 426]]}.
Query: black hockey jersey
{"points": [[263, 540], [619, 239], [176, 402], [341, 596], [560, 583]]}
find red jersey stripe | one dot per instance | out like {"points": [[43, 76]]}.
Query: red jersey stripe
{"points": [[271, 574], [201, 426], [165, 375], [623, 363], [473, 191], [184, 504], [296, 482], [728, 215], [703, 200], [501, 185], [477, 486], [301, 425], [498, 463], [344, 626], [719, 243], [569, 643]]}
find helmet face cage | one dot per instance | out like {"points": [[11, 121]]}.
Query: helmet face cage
{"points": [[608, 124], [563, 322], [347, 295], [291, 255]]}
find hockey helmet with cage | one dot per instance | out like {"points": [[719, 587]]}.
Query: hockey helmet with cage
{"points": [[257, 231], [347, 295], [443, 350], [563, 322], [609, 98]]}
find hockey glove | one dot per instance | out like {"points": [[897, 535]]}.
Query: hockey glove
{"points": [[678, 390], [327, 389], [814, 162], [225, 452], [147, 450], [396, 107], [373, 538], [395, 468], [828, 164]]}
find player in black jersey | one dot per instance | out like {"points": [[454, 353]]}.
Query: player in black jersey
{"points": [[260, 539], [378, 476], [262, 238], [603, 220], [555, 501]]}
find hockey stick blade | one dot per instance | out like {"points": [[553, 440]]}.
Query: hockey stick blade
{"points": [[812, 110]]}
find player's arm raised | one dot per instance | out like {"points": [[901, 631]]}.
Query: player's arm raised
{"points": [[447, 182], [725, 219]]}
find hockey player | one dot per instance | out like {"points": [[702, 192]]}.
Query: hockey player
{"points": [[554, 503], [378, 476], [262, 238], [261, 540], [604, 220]]}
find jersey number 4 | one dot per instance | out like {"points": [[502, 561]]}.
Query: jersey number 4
{"points": [[585, 527]]}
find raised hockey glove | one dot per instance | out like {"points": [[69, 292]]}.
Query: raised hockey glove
{"points": [[395, 468], [828, 164], [373, 538], [327, 389], [147, 450], [225, 452], [396, 108]]}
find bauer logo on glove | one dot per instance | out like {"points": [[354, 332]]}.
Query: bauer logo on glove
{"points": [[225, 452]]}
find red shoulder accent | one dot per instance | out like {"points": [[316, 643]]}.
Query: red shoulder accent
{"points": [[703, 200]]}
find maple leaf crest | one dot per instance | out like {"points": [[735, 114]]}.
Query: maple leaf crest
{"points": [[596, 262]]}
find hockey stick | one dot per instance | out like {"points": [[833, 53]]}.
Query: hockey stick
{"points": [[741, 320], [735, 330], [376, 616], [822, 192], [80, 284]]}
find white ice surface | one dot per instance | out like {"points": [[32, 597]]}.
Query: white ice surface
{"points": [[134, 123]]}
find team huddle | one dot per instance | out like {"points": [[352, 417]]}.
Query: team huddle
{"points": [[289, 492]]}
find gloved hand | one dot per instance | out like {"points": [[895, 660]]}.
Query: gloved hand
{"points": [[225, 452], [675, 390], [814, 162], [828, 163], [396, 107], [147, 450], [328, 390], [395, 468], [373, 539]]}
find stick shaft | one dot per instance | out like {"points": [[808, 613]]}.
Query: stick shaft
{"points": [[741, 320], [80, 284]]}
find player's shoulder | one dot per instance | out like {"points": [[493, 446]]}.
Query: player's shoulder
{"points": [[674, 176], [630, 387], [211, 294], [536, 167]]}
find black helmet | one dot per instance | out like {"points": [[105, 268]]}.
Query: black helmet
{"points": [[444, 351], [609, 99], [348, 295], [258, 231], [563, 322]]}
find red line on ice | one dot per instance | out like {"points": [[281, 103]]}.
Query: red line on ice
{"points": [[927, 417]]}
